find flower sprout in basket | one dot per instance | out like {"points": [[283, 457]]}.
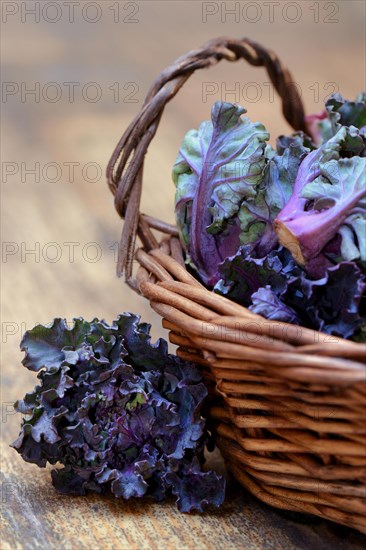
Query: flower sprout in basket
{"points": [[262, 282]]}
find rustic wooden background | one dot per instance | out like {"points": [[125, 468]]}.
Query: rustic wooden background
{"points": [[44, 210]]}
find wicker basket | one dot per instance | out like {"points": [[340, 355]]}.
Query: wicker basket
{"points": [[289, 403]]}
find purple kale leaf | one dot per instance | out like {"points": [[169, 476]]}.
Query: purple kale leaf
{"points": [[334, 304], [267, 303], [328, 202], [243, 274], [258, 213], [188, 487], [276, 288], [117, 411], [218, 166], [351, 114]]}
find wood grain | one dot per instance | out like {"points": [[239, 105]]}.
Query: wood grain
{"points": [[37, 213]]}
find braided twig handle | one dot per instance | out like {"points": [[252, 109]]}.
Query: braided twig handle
{"points": [[124, 171]]}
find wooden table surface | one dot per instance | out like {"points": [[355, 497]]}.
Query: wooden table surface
{"points": [[108, 66]]}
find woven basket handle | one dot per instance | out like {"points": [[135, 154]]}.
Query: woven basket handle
{"points": [[124, 171]]}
